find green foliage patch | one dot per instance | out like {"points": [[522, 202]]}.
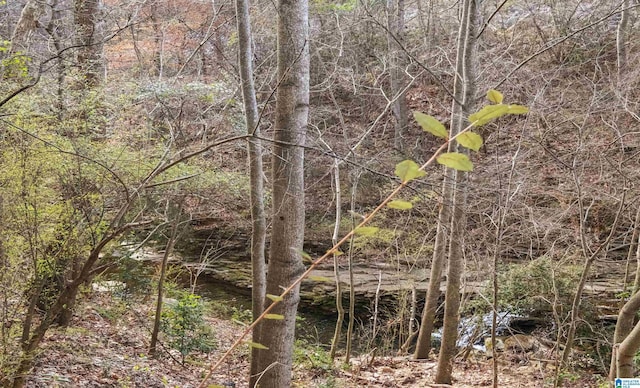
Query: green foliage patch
{"points": [[184, 326], [534, 288]]}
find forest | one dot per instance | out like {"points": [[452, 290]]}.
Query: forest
{"points": [[324, 193]]}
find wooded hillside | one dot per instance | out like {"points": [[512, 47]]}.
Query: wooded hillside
{"points": [[162, 146]]}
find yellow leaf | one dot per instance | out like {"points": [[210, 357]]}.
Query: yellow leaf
{"points": [[431, 125], [274, 316], [487, 114], [456, 161], [319, 279], [275, 298], [408, 170], [494, 96], [400, 205], [517, 109], [470, 140], [257, 345]]}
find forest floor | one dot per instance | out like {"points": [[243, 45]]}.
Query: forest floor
{"points": [[106, 346]]}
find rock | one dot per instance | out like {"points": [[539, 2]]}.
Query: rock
{"points": [[521, 343], [488, 345], [108, 286]]}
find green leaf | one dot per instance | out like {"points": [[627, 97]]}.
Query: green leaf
{"points": [[408, 170], [431, 124], [517, 109], [366, 230], [257, 345], [400, 205], [487, 114], [456, 161], [278, 317], [494, 96], [319, 279], [470, 140], [275, 298]]}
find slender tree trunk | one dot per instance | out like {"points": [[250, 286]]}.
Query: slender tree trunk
{"points": [[352, 289], [397, 63], [636, 282], [53, 28], [621, 40], [90, 54], [444, 215], [633, 244], [336, 266], [465, 70], [285, 261], [254, 151], [163, 271]]}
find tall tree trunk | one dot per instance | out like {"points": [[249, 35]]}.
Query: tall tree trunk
{"points": [[464, 70], [626, 353], [397, 63], [621, 40], [285, 261], [458, 117], [624, 326], [53, 29], [254, 148], [90, 54], [336, 265], [423, 347], [26, 25]]}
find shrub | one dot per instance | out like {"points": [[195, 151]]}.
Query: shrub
{"points": [[184, 326], [533, 288]]}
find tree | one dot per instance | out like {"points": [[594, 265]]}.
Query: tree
{"points": [[285, 261], [395, 37], [86, 17], [465, 79], [254, 151], [463, 92]]}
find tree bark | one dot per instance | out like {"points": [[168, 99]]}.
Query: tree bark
{"points": [[626, 352], [423, 347], [285, 261], [336, 265], [621, 40], [27, 23], [90, 54], [624, 326], [397, 59], [254, 151], [465, 71]]}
